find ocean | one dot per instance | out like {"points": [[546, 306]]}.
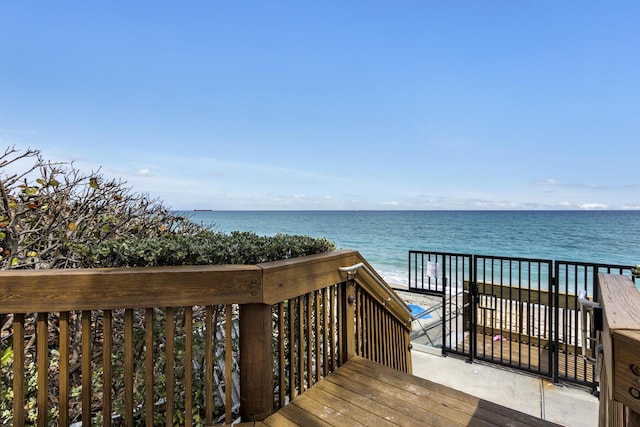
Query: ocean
{"points": [[384, 238]]}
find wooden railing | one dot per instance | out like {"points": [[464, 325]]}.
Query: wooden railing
{"points": [[523, 315], [620, 337], [170, 345]]}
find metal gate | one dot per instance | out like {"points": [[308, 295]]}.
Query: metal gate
{"points": [[449, 277], [513, 303], [569, 355], [517, 312]]}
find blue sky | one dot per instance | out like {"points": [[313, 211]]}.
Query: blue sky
{"points": [[333, 104]]}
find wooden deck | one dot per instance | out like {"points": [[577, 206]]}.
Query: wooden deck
{"points": [[363, 393], [532, 358]]}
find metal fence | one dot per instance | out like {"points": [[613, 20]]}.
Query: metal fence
{"points": [[517, 312]]}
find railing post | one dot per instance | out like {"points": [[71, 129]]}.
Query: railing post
{"points": [[473, 288], [348, 344], [554, 326], [256, 362]]}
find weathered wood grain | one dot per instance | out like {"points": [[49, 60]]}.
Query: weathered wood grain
{"points": [[362, 392], [620, 382], [102, 289]]}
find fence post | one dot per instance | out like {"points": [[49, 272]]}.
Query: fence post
{"points": [[473, 289], [554, 326], [348, 344], [256, 362]]}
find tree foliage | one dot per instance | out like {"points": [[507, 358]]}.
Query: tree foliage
{"points": [[48, 209]]}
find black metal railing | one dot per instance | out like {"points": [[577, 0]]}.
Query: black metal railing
{"points": [[447, 276], [517, 312], [511, 325]]}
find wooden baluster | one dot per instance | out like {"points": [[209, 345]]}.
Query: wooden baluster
{"points": [[318, 332], [107, 347], [43, 368], [301, 342], [169, 371], [188, 366], [63, 392], [209, 330], [228, 360], [309, 341], [18, 369], [128, 367], [325, 331], [149, 395], [293, 392], [86, 367], [281, 356]]}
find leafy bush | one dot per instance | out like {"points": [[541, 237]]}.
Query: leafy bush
{"points": [[205, 248]]}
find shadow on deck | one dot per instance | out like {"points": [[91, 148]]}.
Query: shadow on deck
{"points": [[362, 392]]}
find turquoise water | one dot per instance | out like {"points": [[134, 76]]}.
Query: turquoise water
{"points": [[385, 237]]}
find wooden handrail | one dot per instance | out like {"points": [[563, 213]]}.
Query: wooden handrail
{"points": [[282, 280], [620, 374], [28, 291], [378, 288]]}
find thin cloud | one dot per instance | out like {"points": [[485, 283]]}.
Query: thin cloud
{"points": [[632, 186], [553, 183], [587, 186], [550, 181], [591, 206]]}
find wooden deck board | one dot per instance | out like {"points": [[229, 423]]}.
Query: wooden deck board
{"points": [[341, 405], [456, 405], [533, 358], [420, 411], [516, 354], [362, 392]]}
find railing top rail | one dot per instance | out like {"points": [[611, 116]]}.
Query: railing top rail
{"points": [[594, 264], [382, 291], [511, 258], [290, 278], [417, 251], [620, 300], [101, 289], [28, 291]]}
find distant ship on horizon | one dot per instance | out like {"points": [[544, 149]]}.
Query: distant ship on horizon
{"points": [[202, 210]]}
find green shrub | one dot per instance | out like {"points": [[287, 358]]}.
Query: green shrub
{"points": [[205, 248]]}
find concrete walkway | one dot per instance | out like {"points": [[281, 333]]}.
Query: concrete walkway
{"points": [[566, 405]]}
